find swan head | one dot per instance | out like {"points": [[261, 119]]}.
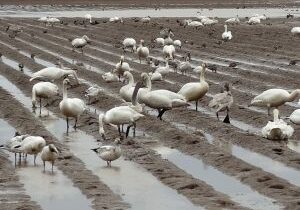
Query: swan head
{"points": [[144, 76], [122, 58], [204, 65], [52, 148], [66, 81], [142, 42], [127, 74], [117, 141], [85, 37]]}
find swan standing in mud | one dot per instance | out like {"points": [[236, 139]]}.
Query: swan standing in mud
{"points": [[160, 42], [163, 70], [274, 98], [88, 17], [121, 67], [109, 153], [193, 91], [142, 51], [169, 40], [127, 90], [226, 34], [50, 154], [121, 115], [278, 129], [146, 19], [92, 94], [43, 90], [177, 43], [71, 107], [162, 100], [222, 102], [129, 43], [295, 31], [53, 73], [169, 51], [80, 42]]}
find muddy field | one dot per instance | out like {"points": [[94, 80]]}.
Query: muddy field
{"points": [[190, 160]]}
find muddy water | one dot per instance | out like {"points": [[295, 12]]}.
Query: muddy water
{"points": [[182, 12], [122, 178], [237, 191], [50, 191]]}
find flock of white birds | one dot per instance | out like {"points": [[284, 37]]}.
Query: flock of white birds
{"points": [[139, 95]]}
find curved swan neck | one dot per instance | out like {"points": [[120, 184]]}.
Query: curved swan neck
{"points": [[276, 115], [225, 28], [202, 74], [65, 92], [33, 99], [101, 128], [130, 79], [148, 82], [294, 95]]}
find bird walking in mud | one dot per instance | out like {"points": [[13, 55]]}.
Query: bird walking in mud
{"points": [[79, 43]]}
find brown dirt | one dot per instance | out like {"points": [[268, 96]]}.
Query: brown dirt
{"points": [[249, 43]]}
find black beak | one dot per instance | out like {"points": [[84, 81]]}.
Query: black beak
{"points": [[95, 149]]}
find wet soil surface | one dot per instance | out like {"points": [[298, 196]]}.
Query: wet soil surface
{"points": [[262, 54]]}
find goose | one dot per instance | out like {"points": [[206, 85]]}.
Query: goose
{"points": [[121, 115], [274, 98], [14, 142], [185, 66], [109, 153], [127, 90], [177, 43], [163, 70], [233, 21], [88, 17], [44, 90], [295, 31], [142, 51], [222, 101], [129, 43], [164, 33], [169, 40], [110, 76], [80, 42], [121, 67], [226, 34], [169, 51], [253, 21], [53, 73], [31, 145], [295, 117], [194, 91], [49, 153], [71, 107], [146, 19], [162, 100], [160, 42], [92, 94], [278, 129]]}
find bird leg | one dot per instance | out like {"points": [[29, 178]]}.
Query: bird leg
{"points": [[52, 166], [75, 126], [107, 162], [217, 113], [196, 105], [134, 127], [44, 165], [119, 129], [122, 128], [67, 125], [128, 129], [40, 107], [34, 157], [269, 111], [161, 112]]}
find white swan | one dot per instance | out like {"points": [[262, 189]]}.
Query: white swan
{"points": [[155, 76], [109, 153], [92, 94], [121, 67], [222, 102], [53, 73], [160, 41], [129, 43], [262, 17], [233, 21], [14, 142], [116, 20], [88, 17], [162, 100], [169, 51], [80, 42], [146, 19], [208, 21], [32, 145], [295, 117], [44, 90], [163, 70], [177, 43], [278, 129], [110, 77], [127, 90], [195, 24], [50, 154], [142, 51], [185, 66], [274, 98], [193, 91], [169, 40], [71, 107], [253, 21], [49, 20], [295, 31], [226, 35]]}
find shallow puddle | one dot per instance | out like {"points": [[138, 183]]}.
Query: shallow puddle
{"points": [[50, 191], [237, 191]]}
